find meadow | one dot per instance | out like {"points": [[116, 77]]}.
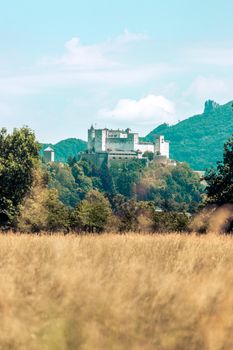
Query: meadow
{"points": [[114, 292]]}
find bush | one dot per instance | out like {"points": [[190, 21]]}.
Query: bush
{"points": [[93, 213], [170, 221], [132, 215], [42, 209]]}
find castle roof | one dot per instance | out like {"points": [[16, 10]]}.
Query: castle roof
{"points": [[48, 149]]}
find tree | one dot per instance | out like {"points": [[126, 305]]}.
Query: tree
{"points": [[41, 209], [83, 181], [149, 155], [171, 188], [18, 156], [220, 181], [170, 221], [125, 176], [130, 213], [93, 212], [33, 214], [71, 161], [61, 179], [107, 180], [58, 213]]}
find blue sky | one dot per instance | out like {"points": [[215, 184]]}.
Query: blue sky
{"points": [[67, 64]]}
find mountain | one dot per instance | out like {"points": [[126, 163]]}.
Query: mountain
{"points": [[199, 140], [66, 148]]}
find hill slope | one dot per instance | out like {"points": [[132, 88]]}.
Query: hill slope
{"points": [[199, 140], [66, 148]]}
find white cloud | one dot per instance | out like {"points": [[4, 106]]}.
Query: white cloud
{"points": [[218, 54], [86, 56], [86, 65], [80, 56], [94, 56], [119, 76], [129, 37], [155, 109], [204, 88]]}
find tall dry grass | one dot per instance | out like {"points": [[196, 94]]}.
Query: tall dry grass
{"points": [[116, 292]]}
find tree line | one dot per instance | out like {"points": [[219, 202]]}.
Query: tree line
{"points": [[78, 196]]}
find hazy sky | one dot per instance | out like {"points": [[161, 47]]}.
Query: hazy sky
{"points": [[67, 64]]}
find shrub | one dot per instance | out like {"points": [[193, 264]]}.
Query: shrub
{"points": [[170, 221], [93, 212]]}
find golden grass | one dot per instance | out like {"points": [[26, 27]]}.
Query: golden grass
{"points": [[116, 292]]}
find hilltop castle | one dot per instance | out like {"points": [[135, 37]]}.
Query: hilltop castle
{"points": [[119, 145]]}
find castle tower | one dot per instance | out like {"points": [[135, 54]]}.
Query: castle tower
{"points": [[100, 140], [49, 155], [91, 138], [161, 146]]}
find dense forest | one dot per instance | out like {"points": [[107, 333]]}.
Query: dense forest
{"points": [[78, 196], [123, 196], [174, 188]]}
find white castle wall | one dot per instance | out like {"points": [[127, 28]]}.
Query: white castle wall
{"points": [[49, 156], [162, 147], [126, 142], [119, 144], [102, 140], [145, 147], [165, 149]]}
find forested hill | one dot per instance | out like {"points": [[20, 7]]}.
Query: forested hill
{"points": [[199, 140], [66, 148]]}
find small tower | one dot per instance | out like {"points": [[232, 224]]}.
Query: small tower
{"points": [[91, 138], [161, 146], [49, 155]]}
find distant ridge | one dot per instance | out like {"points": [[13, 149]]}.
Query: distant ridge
{"points": [[199, 140], [66, 148]]}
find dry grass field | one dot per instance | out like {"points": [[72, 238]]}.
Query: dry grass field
{"points": [[113, 292]]}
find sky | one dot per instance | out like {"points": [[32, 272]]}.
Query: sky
{"points": [[65, 65]]}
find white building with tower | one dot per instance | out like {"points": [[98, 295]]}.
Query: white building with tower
{"points": [[49, 155], [161, 146], [107, 144]]}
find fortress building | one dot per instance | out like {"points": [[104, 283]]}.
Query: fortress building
{"points": [[119, 145]]}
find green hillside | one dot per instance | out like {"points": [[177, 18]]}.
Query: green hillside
{"points": [[199, 140], [66, 148]]}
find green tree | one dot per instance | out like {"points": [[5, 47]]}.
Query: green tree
{"points": [[130, 212], [126, 175], [58, 214], [107, 180], [83, 181], [220, 181], [33, 214], [93, 212], [171, 188], [18, 156], [41, 209], [170, 221], [149, 155], [62, 179], [71, 161]]}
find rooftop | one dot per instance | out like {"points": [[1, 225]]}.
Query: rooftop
{"points": [[48, 149]]}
